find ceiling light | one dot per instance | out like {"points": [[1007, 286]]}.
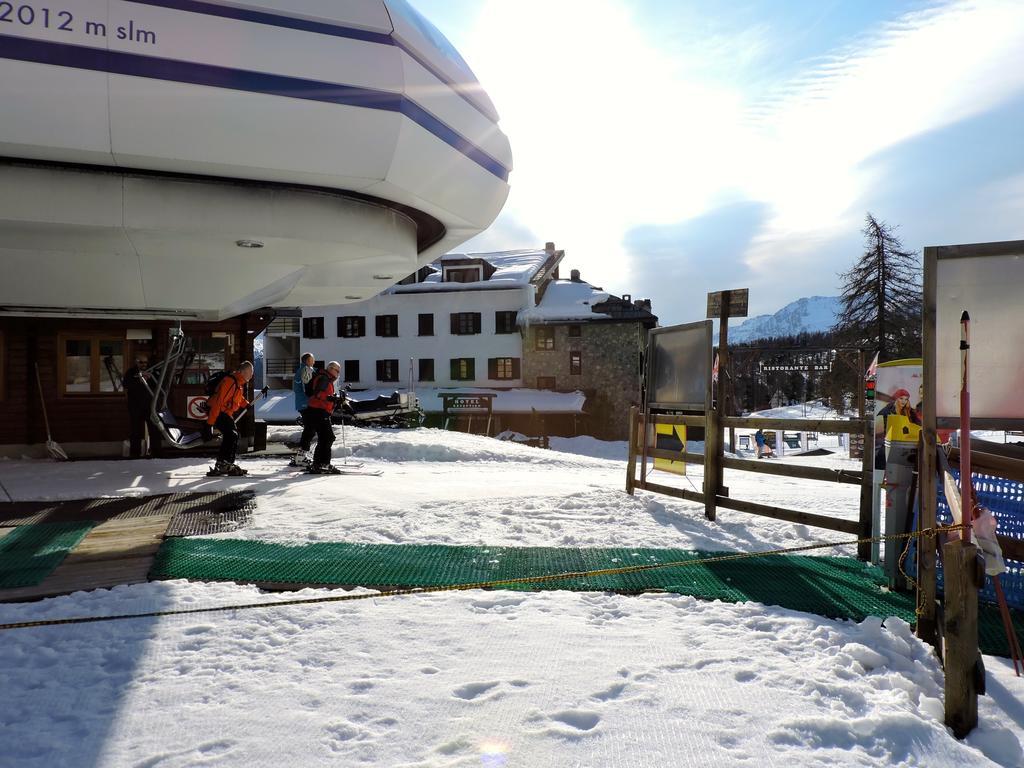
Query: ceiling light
{"points": [[248, 243], [383, 277], [353, 297]]}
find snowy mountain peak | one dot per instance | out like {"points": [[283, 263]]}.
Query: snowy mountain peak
{"points": [[810, 314]]}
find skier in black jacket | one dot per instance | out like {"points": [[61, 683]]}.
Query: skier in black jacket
{"points": [[140, 402]]}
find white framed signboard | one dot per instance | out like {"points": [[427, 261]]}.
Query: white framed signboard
{"points": [[987, 281], [679, 367]]}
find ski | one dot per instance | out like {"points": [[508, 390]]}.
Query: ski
{"points": [[348, 471]]}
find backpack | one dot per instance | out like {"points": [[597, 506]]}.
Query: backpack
{"points": [[214, 381], [313, 385]]}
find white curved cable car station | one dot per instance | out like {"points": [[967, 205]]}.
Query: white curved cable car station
{"points": [[177, 162]]}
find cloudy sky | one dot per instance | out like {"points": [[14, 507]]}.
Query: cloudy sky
{"points": [[674, 147]]}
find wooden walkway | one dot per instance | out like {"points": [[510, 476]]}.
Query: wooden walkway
{"points": [[121, 547], [117, 551]]}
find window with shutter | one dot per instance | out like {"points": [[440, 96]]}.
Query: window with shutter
{"points": [[575, 363], [387, 370], [387, 325], [463, 369], [351, 326], [426, 368], [351, 371], [503, 368], [426, 324], [313, 327], [465, 323], [505, 322], [544, 338]]}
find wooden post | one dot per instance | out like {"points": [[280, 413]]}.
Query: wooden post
{"points": [[724, 368], [712, 464], [861, 368], [962, 660], [927, 628], [867, 487], [631, 463], [643, 449]]}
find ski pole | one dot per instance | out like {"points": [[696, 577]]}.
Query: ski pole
{"points": [[966, 493], [241, 413]]}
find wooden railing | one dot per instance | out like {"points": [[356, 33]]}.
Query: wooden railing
{"points": [[715, 494]]}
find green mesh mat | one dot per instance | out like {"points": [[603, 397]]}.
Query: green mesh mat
{"points": [[30, 553], [837, 587]]}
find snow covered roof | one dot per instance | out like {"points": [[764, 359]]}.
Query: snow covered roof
{"points": [[576, 300], [565, 300], [512, 269]]}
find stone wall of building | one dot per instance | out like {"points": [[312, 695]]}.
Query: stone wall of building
{"points": [[610, 354]]}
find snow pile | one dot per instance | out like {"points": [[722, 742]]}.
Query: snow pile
{"points": [[438, 445], [475, 678]]}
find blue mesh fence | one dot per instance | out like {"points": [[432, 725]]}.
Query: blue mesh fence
{"points": [[1005, 498]]}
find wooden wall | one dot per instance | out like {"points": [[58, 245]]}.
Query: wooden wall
{"points": [[87, 418]]}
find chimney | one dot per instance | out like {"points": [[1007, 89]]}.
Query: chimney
{"points": [[627, 298], [575, 276], [549, 247], [643, 304]]}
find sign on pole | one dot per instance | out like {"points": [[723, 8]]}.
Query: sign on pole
{"points": [[738, 299]]}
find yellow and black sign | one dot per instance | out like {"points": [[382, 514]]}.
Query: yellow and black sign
{"points": [[668, 437]]}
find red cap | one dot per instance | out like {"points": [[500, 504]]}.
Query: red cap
{"points": [[900, 393]]}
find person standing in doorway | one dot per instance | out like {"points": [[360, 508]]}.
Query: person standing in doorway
{"points": [[138, 385], [302, 380], [228, 400]]}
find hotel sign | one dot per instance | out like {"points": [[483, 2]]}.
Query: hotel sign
{"points": [[468, 403]]}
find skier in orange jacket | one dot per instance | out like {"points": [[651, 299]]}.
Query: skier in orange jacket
{"points": [[228, 400]]}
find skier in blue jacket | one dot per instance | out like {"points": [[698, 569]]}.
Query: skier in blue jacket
{"points": [[303, 376]]}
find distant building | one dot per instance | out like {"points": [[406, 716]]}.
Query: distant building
{"points": [[454, 322], [473, 322], [580, 338]]}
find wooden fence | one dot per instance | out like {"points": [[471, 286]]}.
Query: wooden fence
{"points": [[715, 494]]}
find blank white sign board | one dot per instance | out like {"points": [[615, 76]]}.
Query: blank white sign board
{"points": [[991, 289]]}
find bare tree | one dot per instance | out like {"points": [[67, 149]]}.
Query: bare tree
{"points": [[881, 296]]}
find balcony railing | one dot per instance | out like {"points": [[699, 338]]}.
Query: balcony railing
{"points": [[280, 366], [284, 326]]}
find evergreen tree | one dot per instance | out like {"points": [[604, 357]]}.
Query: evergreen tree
{"points": [[881, 296]]}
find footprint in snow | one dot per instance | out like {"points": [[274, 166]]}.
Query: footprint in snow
{"points": [[610, 693], [471, 691], [579, 719]]}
